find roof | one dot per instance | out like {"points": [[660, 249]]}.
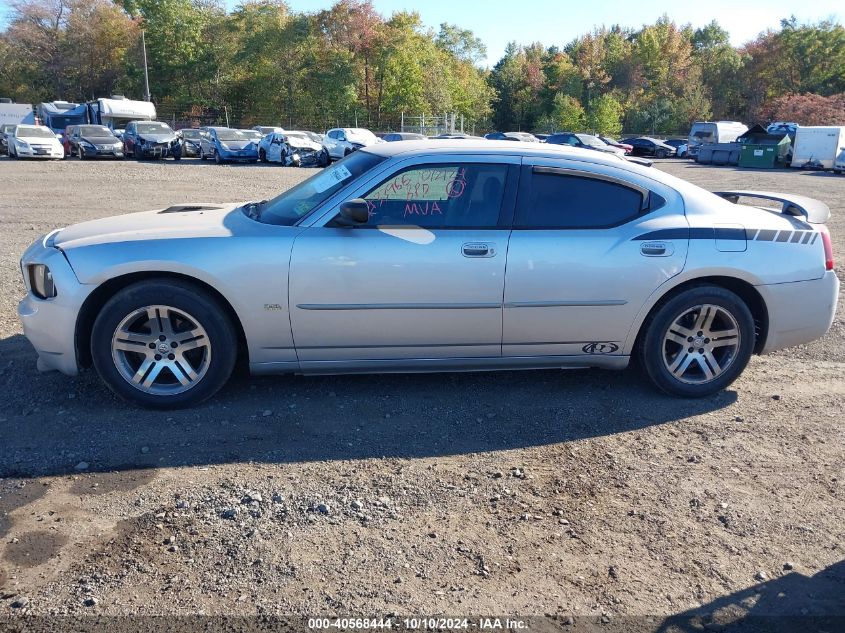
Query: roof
{"points": [[484, 146]]}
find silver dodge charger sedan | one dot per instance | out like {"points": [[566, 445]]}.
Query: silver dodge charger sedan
{"points": [[436, 256]]}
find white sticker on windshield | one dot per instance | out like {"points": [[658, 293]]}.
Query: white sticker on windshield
{"points": [[331, 177]]}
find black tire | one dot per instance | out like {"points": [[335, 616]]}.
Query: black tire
{"points": [[661, 153], [136, 154], [262, 156], [656, 327], [182, 296], [217, 158]]}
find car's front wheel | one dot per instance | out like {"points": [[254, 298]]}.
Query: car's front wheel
{"points": [[163, 344], [698, 342]]}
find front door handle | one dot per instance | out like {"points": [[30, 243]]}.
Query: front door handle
{"points": [[478, 249]]}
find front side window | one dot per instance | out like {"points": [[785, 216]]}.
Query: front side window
{"points": [[440, 196], [563, 201]]}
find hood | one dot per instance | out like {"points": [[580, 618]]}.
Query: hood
{"points": [[101, 140], [38, 140], [178, 221], [363, 139], [238, 144], [157, 138], [301, 143]]}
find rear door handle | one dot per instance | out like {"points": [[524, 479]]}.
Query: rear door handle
{"points": [[478, 249]]}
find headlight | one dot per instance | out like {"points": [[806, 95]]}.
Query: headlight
{"points": [[41, 281], [142, 141], [87, 145], [22, 143]]}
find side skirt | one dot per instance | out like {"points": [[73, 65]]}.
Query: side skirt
{"points": [[426, 365]]}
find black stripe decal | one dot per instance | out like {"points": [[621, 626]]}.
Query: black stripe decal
{"points": [[726, 233]]}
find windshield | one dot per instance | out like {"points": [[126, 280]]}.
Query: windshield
{"points": [[94, 130], [297, 135], [313, 136], [230, 135], [154, 127], [251, 134], [289, 207], [592, 141], [190, 133], [360, 134], [60, 122], [35, 132]]}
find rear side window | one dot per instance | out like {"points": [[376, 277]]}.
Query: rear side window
{"points": [[565, 201]]}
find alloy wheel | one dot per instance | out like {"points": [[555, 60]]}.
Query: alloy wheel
{"points": [[701, 343], [161, 350]]}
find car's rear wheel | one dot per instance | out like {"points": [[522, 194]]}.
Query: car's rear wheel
{"points": [[163, 344], [661, 153], [698, 342], [262, 156]]}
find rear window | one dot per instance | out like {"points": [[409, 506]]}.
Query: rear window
{"points": [[562, 201]]}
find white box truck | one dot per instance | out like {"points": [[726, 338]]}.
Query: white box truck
{"points": [[116, 112], [817, 146], [14, 113], [703, 132]]}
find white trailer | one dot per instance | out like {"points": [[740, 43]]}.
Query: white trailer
{"points": [[14, 113], [817, 146], [116, 112]]}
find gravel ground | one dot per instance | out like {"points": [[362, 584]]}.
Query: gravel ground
{"points": [[580, 493]]}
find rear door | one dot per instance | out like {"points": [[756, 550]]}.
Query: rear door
{"points": [[588, 248]]}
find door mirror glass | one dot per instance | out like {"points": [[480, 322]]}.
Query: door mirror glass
{"points": [[355, 211]]}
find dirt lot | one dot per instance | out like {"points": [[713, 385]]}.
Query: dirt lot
{"points": [[580, 493]]}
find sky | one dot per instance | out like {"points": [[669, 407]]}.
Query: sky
{"points": [[557, 22]]}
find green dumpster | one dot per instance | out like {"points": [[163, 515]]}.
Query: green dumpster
{"points": [[762, 150]]}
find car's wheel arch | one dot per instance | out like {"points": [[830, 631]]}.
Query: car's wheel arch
{"points": [[743, 288], [95, 301]]}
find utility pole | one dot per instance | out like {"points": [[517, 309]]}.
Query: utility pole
{"points": [[146, 73]]}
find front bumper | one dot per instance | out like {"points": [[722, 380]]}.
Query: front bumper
{"points": [[105, 151], [234, 155], [160, 150], [38, 152], [50, 324], [799, 312]]}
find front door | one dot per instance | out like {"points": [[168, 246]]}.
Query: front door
{"points": [[423, 279], [585, 255]]}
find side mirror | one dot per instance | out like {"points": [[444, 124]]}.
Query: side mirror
{"points": [[354, 212]]}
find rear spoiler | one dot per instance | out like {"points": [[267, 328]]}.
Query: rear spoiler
{"points": [[814, 211]]}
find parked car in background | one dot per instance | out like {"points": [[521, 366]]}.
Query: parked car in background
{"points": [[524, 137], [589, 261], [614, 143], [191, 138], [542, 137], [151, 139], [584, 141], [403, 136], [681, 147], [253, 135], [5, 131], [224, 145], [292, 148], [92, 141], [647, 146], [458, 136], [703, 132], [34, 141], [340, 142], [267, 129]]}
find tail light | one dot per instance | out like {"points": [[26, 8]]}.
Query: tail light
{"points": [[828, 249]]}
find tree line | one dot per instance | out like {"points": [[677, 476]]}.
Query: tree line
{"points": [[263, 62]]}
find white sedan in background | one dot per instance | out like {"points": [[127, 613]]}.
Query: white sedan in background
{"points": [[342, 141], [35, 141]]}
